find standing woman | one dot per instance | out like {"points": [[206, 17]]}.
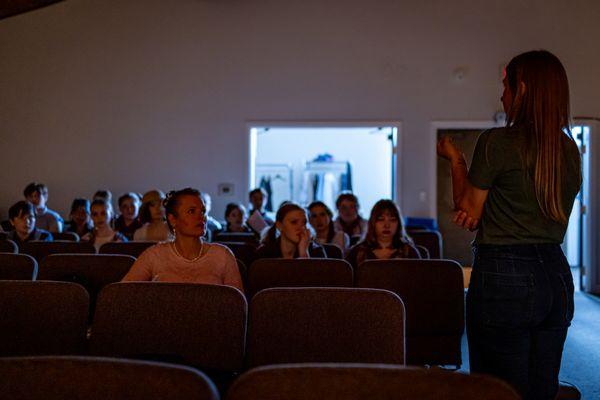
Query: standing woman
{"points": [[518, 194]]}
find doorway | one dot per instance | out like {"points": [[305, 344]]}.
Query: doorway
{"points": [[308, 162]]}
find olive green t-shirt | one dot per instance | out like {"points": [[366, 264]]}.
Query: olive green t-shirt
{"points": [[511, 214]]}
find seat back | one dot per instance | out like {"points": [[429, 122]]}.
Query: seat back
{"points": [[93, 378], [292, 325], [433, 295], [193, 324], [18, 267], [127, 248], [300, 272], [360, 381], [431, 240], [68, 236], [8, 246], [238, 237], [92, 271], [42, 318], [244, 251], [423, 252], [40, 250], [333, 251]]}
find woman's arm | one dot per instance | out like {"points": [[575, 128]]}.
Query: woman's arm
{"points": [[468, 199]]}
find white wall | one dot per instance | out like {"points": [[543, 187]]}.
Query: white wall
{"points": [[368, 151], [132, 95]]}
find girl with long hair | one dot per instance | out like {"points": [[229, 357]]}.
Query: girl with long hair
{"points": [[290, 237], [321, 219], [518, 194], [386, 237]]}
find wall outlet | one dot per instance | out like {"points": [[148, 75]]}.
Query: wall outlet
{"points": [[226, 189]]}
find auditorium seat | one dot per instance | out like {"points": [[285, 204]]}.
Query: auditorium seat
{"points": [[18, 267], [433, 296], [364, 381], [238, 237], [92, 271], [244, 251], [8, 246], [193, 324], [127, 248], [95, 378], [68, 236], [295, 325], [42, 318], [40, 250], [300, 272], [432, 240]]}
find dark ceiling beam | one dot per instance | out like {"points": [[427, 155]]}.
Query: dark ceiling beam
{"points": [[8, 8]]}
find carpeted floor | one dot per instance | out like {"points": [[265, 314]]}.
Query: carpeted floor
{"points": [[581, 356]]}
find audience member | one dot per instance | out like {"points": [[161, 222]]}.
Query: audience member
{"points": [[46, 219], [258, 199], [188, 258], [349, 220], [102, 233], [152, 216], [321, 219], [386, 237], [128, 222], [235, 219], [80, 222], [212, 225], [289, 237], [22, 218]]}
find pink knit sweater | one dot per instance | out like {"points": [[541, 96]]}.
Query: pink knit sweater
{"points": [[160, 263]]}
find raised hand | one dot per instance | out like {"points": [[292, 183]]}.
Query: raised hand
{"points": [[447, 149]]}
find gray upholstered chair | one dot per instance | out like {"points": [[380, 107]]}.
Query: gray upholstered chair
{"points": [[127, 248], [291, 325], [42, 318], [193, 324], [433, 295], [18, 267], [267, 273], [431, 240], [40, 249], [8, 246], [92, 378], [360, 381]]}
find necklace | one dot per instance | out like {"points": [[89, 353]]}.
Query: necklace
{"points": [[187, 259]]}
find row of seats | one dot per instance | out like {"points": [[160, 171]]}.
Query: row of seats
{"points": [[431, 290], [40, 249], [91, 378], [213, 328]]}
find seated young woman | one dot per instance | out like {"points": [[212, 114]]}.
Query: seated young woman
{"points": [[386, 237], [128, 222], [235, 218], [152, 216], [80, 222], [290, 237], [188, 258], [321, 219], [349, 219], [101, 214], [22, 217]]}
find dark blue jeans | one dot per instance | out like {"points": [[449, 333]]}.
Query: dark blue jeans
{"points": [[519, 306]]}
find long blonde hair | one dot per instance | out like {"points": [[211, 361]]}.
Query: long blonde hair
{"points": [[543, 108]]}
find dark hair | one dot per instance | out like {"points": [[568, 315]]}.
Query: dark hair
{"points": [[257, 190], [230, 208], [144, 214], [103, 194], [171, 202], [20, 208], [271, 236], [331, 232], [543, 107], [79, 203], [346, 195], [35, 187], [129, 195], [400, 237]]}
